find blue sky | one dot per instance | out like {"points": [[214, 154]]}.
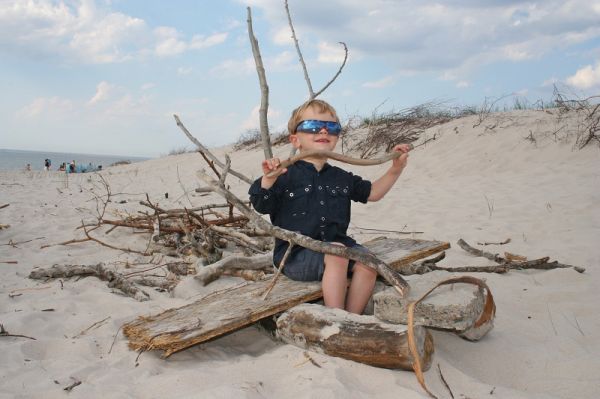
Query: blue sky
{"points": [[106, 76]]}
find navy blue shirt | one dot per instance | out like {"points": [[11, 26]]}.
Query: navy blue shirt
{"points": [[310, 202]]}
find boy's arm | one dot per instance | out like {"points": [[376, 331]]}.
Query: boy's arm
{"points": [[381, 186]]}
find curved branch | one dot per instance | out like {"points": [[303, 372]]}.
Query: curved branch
{"points": [[338, 72], [311, 93], [337, 157]]}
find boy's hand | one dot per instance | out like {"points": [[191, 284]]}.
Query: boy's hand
{"points": [[268, 166], [400, 162]]}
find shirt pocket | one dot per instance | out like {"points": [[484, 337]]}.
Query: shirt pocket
{"points": [[295, 203], [339, 203]]}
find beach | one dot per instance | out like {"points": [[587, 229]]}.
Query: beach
{"points": [[511, 177]]}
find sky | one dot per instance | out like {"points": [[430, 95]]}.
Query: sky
{"points": [[106, 76]]}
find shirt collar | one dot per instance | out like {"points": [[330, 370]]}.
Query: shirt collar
{"points": [[309, 166]]}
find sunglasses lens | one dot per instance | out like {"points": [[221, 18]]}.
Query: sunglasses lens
{"points": [[315, 126]]}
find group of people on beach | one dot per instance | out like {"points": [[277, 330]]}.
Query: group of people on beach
{"points": [[70, 167]]}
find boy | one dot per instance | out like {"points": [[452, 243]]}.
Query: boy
{"points": [[312, 197]]}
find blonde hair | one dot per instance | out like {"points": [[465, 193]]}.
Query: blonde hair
{"points": [[320, 106]]}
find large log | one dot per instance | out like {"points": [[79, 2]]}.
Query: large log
{"points": [[363, 339], [398, 253]]}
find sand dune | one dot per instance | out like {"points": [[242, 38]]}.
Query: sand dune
{"points": [[473, 183]]}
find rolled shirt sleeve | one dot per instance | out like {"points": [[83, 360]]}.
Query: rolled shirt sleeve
{"points": [[361, 189]]}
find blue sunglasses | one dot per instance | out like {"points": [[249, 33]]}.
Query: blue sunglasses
{"points": [[314, 126]]}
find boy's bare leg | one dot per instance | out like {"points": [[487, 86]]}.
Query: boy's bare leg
{"points": [[334, 281], [361, 288]]}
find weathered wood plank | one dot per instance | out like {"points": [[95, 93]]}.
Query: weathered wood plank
{"points": [[363, 339], [228, 310], [217, 314], [400, 252]]}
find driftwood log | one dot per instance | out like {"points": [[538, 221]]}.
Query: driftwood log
{"points": [[209, 273], [363, 339], [115, 280]]}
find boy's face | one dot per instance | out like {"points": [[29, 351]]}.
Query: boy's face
{"points": [[319, 141]]}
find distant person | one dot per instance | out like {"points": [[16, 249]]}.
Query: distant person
{"points": [[99, 167], [28, 167], [62, 167], [72, 167], [47, 164]]}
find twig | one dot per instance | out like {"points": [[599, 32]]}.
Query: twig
{"points": [[95, 325], [4, 333], [444, 381], [311, 93], [4, 206], [207, 153], [478, 252], [9, 262], [310, 359], [551, 320], [495, 243], [387, 231], [14, 244], [114, 339], [338, 72], [73, 385], [279, 269]]}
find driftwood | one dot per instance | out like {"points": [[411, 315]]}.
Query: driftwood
{"points": [[220, 313], [215, 315], [506, 264], [210, 273], [115, 280], [363, 339], [370, 260], [337, 156], [399, 254]]}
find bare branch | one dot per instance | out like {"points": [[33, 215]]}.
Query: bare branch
{"points": [[203, 150], [264, 90], [338, 72], [311, 93]]}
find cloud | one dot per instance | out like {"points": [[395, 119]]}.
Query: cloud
{"points": [[184, 70], [586, 77], [330, 53], [379, 84], [51, 106], [462, 84], [81, 31], [102, 93], [252, 121]]}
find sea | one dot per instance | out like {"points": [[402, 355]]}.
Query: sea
{"points": [[18, 159]]}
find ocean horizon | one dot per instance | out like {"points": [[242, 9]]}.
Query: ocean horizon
{"points": [[18, 159]]}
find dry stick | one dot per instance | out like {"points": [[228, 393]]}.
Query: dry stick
{"points": [[115, 280], [337, 157], [444, 381], [14, 244], [338, 72], [487, 314], [225, 170], [367, 259], [264, 91], [9, 262], [203, 150], [540, 264], [278, 272], [311, 93], [387, 231], [96, 324], [4, 206], [495, 243], [4, 333], [145, 253]]}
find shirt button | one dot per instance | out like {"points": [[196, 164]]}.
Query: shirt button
{"points": [[333, 191], [266, 197], [320, 187], [306, 189], [291, 194], [322, 202], [345, 190], [323, 218]]}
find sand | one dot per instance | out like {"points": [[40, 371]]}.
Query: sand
{"points": [[478, 184]]}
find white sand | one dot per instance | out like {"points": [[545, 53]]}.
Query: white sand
{"points": [[469, 183]]}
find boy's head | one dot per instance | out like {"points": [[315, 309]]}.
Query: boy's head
{"points": [[314, 126]]}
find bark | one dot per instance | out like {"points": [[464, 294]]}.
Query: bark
{"points": [[363, 339]]}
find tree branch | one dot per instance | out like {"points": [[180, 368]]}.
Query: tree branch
{"points": [[338, 72], [311, 93]]}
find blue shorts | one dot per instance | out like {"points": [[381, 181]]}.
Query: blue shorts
{"points": [[304, 264]]}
